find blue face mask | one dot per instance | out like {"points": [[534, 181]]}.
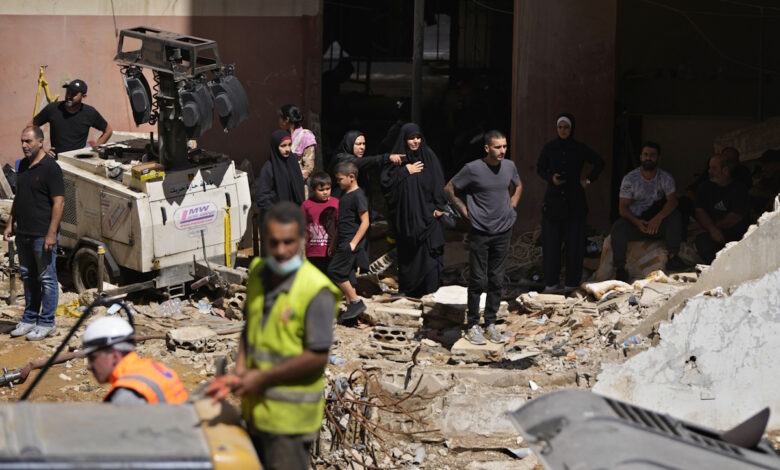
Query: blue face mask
{"points": [[285, 268]]}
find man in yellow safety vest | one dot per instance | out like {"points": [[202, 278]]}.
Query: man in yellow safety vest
{"points": [[290, 311]]}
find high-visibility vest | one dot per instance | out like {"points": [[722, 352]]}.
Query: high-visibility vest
{"points": [[150, 379], [292, 407]]}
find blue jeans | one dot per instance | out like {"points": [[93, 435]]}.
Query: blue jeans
{"points": [[39, 275]]}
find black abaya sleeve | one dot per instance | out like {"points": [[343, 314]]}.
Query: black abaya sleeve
{"points": [[594, 159], [265, 196], [544, 165], [372, 161]]}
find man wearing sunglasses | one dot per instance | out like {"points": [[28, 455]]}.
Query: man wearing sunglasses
{"points": [[109, 344], [290, 310]]}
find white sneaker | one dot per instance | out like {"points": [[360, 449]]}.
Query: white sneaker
{"points": [[22, 329], [40, 332]]}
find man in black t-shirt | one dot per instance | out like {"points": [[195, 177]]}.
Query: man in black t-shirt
{"points": [[70, 120], [722, 207], [37, 211]]}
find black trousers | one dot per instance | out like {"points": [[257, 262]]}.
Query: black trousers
{"points": [[570, 232], [487, 261], [708, 248], [624, 231]]}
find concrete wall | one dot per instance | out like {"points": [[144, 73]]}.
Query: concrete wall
{"points": [[276, 47], [716, 364], [564, 62]]}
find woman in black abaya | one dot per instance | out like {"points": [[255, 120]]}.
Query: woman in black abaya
{"points": [[565, 208], [280, 178], [415, 198]]}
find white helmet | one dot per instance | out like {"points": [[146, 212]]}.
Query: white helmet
{"points": [[106, 332]]}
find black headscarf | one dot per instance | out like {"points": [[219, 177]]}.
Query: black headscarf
{"points": [[288, 179], [345, 153], [347, 145], [412, 199]]}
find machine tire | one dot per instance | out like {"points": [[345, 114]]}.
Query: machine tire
{"points": [[84, 269]]}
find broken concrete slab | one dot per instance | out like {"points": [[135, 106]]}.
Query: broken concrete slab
{"points": [[534, 301], [392, 315], [447, 307], [716, 363], [464, 351], [193, 338], [656, 293], [757, 254], [485, 415]]}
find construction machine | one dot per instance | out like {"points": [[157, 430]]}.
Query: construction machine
{"points": [[165, 211], [199, 434], [577, 429]]}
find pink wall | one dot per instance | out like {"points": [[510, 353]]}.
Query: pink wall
{"points": [[564, 62], [278, 60]]}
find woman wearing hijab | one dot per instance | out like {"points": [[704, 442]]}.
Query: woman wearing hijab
{"points": [[415, 198], [352, 149], [304, 144], [280, 178], [565, 207]]}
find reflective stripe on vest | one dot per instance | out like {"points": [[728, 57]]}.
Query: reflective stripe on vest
{"points": [[150, 379], [266, 356], [293, 407], [155, 388], [292, 396]]}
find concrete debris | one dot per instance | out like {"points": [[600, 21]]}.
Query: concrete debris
{"points": [[757, 254], [716, 363], [192, 338], [464, 351], [534, 301], [399, 313], [449, 304]]}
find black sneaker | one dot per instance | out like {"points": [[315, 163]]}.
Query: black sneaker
{"points": [[354, 309], [621, 274], [676, 264]]}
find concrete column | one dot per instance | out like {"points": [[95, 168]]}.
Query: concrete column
{"points": [[417, 60], [564, 61]]}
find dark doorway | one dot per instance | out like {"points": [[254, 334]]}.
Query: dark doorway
{"points": [[467, 74]]}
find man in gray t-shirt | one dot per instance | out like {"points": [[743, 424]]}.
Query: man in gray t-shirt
{"points": [[492, 187], [648, 209]]}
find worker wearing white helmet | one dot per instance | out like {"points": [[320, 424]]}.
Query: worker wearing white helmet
{"points": [[109, 344]]}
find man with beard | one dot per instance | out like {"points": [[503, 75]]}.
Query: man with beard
{"points": [[722, 207], [70, 120], [36, 213], [648, 209]]}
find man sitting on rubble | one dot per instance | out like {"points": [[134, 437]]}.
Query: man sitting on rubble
{"points": [[722, 207], [109, 344], [290, 310], [648, 209]]}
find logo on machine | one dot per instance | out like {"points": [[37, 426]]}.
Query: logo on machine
{"points": [[195, 216]]}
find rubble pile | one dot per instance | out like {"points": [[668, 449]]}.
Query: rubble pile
{"points": [[457, 393], [716, 364]]}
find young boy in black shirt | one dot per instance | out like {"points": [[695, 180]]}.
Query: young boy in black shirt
{"points": [[353, 223]]}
